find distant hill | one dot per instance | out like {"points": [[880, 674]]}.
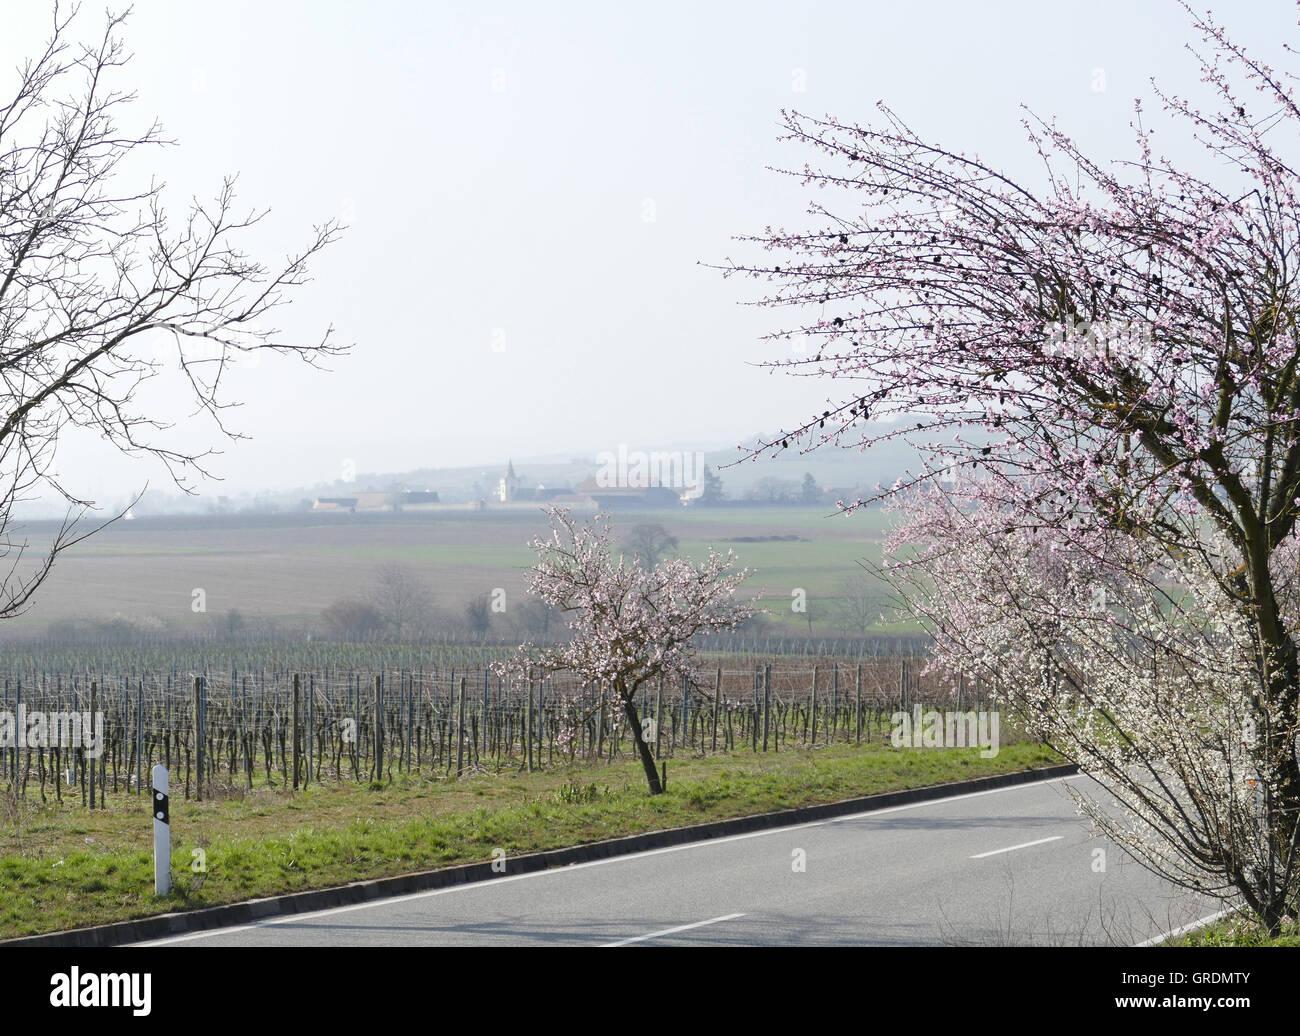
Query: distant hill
{"points": [[831, 468]]}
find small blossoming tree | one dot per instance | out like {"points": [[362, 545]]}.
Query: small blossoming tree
{"points": [[1103, 370], [629, 624]]}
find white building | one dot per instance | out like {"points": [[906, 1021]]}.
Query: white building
{"points": [[508, 484]]}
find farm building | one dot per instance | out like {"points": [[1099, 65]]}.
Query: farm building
{"points": [[391, 501], [630, 496], [334, 503]]}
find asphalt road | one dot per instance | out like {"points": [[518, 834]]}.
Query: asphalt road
{"points": [[1014, 866]]}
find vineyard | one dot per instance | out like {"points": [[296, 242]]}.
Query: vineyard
{"points": [[285, 719]]}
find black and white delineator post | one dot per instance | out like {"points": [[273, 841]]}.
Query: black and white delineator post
{"points": [[162, 833]]}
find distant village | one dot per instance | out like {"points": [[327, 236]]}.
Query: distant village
{"points": [[594, 493], [511, 491]]}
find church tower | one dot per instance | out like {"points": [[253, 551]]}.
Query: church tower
{"points": [[508, 485]]}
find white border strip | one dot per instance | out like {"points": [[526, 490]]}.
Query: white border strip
{"points": [[1184, 929], [672, 931], [1013, 848]]}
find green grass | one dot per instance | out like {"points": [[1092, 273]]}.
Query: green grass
{"points": [[68, 867], [1238, 931]]}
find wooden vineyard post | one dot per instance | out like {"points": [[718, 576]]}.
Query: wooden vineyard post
{"points": [[94, 701], [243, 709], [717, 701], [354, 693], [535, 731], [600, 722], [659, 716], [379, 728], [139, 737], [857, 723], [198, 739], [451, 714], [540, 713], [835, 700], [311, 728], [460, 732], [813, 712], [686, 712], [297, 728], [528, 725], [767, 702]]}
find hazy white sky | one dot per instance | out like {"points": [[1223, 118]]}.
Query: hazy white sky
{"points": [[553, 174]]}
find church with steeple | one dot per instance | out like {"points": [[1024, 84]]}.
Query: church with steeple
{"points": [[508, 485]]}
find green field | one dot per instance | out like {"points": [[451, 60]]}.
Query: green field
{"points": [[288, 568]]}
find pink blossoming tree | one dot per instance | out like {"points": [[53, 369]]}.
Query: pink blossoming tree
{"points": [[1102, 372], [628, 624]]}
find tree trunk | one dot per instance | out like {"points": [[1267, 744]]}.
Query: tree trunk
{"points": [[1280, 670], [647, 757]]}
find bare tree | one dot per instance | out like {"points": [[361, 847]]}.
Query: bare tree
{"points": [[813, 611], [649, 542], [100, 292], [809, 491], [773, 490], [478, 617], [353, 620], [712, 487], [859, 604], [234, 623], [402, 598], [536, 618]]}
